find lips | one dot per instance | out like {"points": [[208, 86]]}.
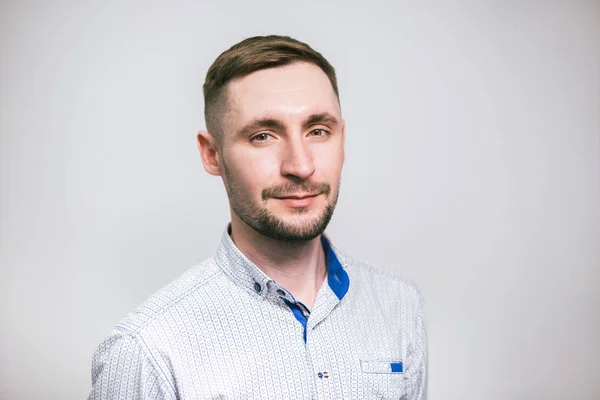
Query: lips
{"points": [[298, 200], [297, 197]]}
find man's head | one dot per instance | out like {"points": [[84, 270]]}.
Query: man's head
{"points": [[275, 135]]}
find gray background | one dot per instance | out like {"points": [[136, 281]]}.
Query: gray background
{"points": [[473, 167]]}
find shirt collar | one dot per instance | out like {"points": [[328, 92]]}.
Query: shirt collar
{"points": [[245, 273], [337, 277]]}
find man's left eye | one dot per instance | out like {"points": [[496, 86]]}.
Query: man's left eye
{"points": [[318, 132]]}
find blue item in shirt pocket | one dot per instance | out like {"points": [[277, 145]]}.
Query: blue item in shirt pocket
{"points": [[381, 367]]}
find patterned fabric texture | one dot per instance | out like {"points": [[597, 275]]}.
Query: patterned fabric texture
{"points": [[225, 330]]}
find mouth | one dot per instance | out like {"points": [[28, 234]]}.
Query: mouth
{"points": [[298, 200], [297, 196]]}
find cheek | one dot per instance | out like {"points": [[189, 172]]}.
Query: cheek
{"points": [[329, 162], [252, 171]]}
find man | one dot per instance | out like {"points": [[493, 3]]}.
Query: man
{"points": [[278, 312]]}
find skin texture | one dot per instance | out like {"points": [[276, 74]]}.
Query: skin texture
{"points": [[282, 136]]}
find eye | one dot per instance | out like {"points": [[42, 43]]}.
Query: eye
{"points": [[318, 132], [261, 137]]}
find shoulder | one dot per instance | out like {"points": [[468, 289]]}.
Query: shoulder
{"points": [[382, 281], [192, 283], [130, 351]]}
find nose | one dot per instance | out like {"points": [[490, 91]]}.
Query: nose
{"points": [[297, 160]]}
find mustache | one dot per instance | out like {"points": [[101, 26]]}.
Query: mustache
{"points": [[291, 188]]}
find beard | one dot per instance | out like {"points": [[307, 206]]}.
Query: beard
{"points": [[263, 221]]}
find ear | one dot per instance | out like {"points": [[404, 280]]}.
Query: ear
{"points": [[343, 140], [209, 153]]}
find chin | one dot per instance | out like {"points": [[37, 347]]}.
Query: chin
{"points": [[300, 213], [301, 219]]}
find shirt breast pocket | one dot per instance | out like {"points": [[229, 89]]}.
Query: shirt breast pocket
{"points": [[383, 379]]}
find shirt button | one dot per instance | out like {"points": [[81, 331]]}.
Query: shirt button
{"points": [[280, 292], [257, 287]]}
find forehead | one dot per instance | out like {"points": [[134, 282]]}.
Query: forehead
{"points": [[291, 91]]}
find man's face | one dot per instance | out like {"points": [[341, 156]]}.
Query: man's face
{"points": [[283, 150]]}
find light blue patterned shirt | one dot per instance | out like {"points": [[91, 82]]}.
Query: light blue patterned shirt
{"points": [[225, 330]]}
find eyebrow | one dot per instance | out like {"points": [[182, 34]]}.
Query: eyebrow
{"points": [[272, 123], [322, 118], [261, 123]]}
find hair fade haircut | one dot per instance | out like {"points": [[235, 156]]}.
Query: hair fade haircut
{"points": [[250, 55]]}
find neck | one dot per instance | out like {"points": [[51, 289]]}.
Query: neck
{"points": [[299, 267]]}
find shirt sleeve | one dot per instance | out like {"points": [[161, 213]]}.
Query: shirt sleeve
{"points": [[417, 357], [122, 369]]}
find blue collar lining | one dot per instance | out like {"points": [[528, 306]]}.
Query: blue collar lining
{"points": [[337, 277]]}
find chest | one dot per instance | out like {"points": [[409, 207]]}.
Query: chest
{"points": [[259, 352]]}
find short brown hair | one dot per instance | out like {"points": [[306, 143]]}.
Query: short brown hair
{"points": [[250, 55]]}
